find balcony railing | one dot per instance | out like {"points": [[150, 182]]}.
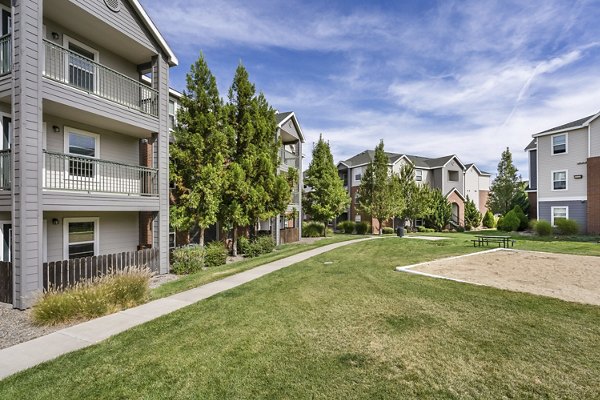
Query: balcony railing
{"points": [[86, 174], [68, 67], [5, 170], [288, 159], [5, 54]]}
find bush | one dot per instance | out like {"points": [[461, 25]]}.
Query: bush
{"points": [[488, 220], [362, 228], [510, 222], [566, 226], [215, 254], [187, 260], [424, 229], [260, 245], [387, 230], [242, 244], [531, 225], [523, 220], [86, 300], [312, 229], [543, 228], [347, 226], [460, 228]]}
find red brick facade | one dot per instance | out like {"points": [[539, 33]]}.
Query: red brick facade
{"points": [[455, 198], [483, 198], [593, 195]]}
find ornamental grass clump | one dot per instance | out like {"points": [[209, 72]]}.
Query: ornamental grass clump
{"points": [[87, 300]]}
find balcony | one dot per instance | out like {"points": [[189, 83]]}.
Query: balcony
{"points": [[5, 170], [66, 172], [5, 54], [72, 69], [288, 159]]}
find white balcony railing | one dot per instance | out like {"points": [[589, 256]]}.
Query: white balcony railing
{"points": [[5, 54], [65, 66]]}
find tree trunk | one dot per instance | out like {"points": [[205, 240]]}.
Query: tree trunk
{"points": [[201, 239], [325, 229], [234, 240]]}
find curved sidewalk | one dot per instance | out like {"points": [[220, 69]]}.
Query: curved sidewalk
{"points": [[26, 355]]}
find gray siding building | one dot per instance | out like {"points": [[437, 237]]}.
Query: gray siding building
{"points": [[84, 134]]}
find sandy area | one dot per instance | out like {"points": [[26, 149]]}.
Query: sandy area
{"points": [[567, 277]]}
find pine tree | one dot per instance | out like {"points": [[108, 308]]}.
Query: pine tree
{"points": [[417, 197], [327, 198], [505, 187], [379, 191], [254, 189], [441, 211], [198, 153], [472, 215]]}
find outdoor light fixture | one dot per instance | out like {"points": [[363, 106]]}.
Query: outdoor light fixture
{"points": [[55, 221], [55, 128], [578, 176], [55, 35]]}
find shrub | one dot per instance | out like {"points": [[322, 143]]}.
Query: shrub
{"points": [[460, 228], [388, 230], [531, 225], [362, 228], [215, 254], [523, 220], [260, 245], [187, 260], [472, 215], [566, 226], [86, 300], [242, 244], [488, 220], [424, 229], [347, 226], [543, 228], [312, 229], [510, 222]]}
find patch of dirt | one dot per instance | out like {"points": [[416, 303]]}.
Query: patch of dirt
{"points": [[567, 277], [16, 326]]}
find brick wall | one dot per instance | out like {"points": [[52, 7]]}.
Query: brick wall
{"points": [[483, 198], [593, 195]]}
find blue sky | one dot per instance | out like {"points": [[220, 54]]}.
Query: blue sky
{"points": [[429, 77]]}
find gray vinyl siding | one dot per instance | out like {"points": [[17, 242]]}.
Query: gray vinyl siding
{"points": [[595, 138], [161, 71], [437, 181], [117, 232], [27, 151], [125, 20], [577, 211], [73, 201], [533, 169], [448, 185], [573, 161], [112, 146]]}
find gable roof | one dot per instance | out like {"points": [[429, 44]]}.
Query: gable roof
{"points": [[532, 145], [454, 190], [367, 156], [172, 59], [580, 123], [472, 165], [281, 118]]}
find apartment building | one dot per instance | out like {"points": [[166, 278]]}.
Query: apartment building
{"points": [[84, 143], [449, 174], [564, 173]]}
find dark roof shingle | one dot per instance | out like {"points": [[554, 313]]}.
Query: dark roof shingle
{"points": [[573, 124]]}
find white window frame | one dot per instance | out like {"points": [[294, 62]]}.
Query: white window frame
{"points": [[174, 114], [552, 213], [566, 144], [67, 130], [67, 221], [566, 171], [358, 177], [66, 40], [419, 175]]}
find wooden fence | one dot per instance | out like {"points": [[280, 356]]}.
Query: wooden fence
{"points": [[6, 282], [62, 274]]}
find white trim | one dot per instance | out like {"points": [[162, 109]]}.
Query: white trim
{"points": [[68, 129], [3, 114], [537, 181], [150, 25], [45, 240], [552, 208], [457, 159], [589, 141], [66, 222], [66, 40], [566, 135], [2, 223], [549, 199], [566, 171]]}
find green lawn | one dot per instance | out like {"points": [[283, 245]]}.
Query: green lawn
{"points": [[351, 329]]}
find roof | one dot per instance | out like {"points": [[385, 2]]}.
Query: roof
{"points": [[580, 123], [532, 145], [455, 190], [280, 118], [172, 59], [467, 166], [368, 156]]}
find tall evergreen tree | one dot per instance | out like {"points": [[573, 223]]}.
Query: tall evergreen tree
{"points": [[198, 153], [379, 191], [505, 187], [254, 189], [472, 215], [441, 211], [327, 198], [417, 197]]}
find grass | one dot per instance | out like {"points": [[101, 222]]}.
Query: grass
{"points": [[215, 273], [350, 329]]}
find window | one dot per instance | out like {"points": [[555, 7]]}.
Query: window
{"points": [[559, 144], [172, 120], [559, 180], [559, 213], [80, 64], [453, 176], [80, 237], [82, 145], [357, 177], [418, 175]]}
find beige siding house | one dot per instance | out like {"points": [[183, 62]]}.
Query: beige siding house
{"points": [[84, 142]]}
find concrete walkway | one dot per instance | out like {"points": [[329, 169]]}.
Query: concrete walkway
{"points": [[26, 355]]}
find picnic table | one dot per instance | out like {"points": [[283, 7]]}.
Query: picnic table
{"points": [[504, 241]]}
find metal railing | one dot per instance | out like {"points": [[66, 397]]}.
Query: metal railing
{"points": [[289, 159], [73, 69], [5, 170], [86, 174], [5, 54]]}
